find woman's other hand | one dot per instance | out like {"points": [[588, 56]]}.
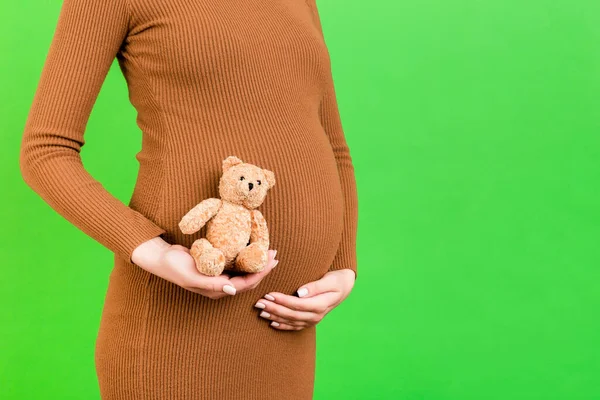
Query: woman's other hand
{"points": [[315, 299], [174, 263]]}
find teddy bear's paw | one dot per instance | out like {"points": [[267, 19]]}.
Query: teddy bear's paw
{"points": [[211, 262], [252, 259]]}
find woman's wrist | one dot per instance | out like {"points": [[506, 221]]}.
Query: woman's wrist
{"points": [[149, 252], [344, 271], [346, 278]]}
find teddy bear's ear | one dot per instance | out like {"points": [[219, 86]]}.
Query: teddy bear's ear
{"points": [[270, 176], [230, 162]]}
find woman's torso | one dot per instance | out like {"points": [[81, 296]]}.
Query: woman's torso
{"points": [[243, 78]]}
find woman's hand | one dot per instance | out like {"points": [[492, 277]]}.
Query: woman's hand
{"points": [[174, 263], [314, 301]]}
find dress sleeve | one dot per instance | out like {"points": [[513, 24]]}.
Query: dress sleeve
{"points": [[330, 118], [87, 38]]}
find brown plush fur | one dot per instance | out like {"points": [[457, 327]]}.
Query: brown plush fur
{"points": [[237, 237]]}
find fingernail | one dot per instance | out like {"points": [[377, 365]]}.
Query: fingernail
{"points": [[275, 253], [229, 289], [302, 292], [259, 305], [265, 314], [269, 297], [275, 323], [275, 264]]}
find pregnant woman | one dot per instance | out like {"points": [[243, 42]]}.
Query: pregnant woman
{"points": [[209, 79]]}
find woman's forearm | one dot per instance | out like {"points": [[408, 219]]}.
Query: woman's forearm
{"points": [[87, 39]]}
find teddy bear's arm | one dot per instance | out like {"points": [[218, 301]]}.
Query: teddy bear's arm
{"points": [[195, 219], [260, 232]]}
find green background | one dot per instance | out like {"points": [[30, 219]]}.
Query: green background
{"points": [[474, 130]]}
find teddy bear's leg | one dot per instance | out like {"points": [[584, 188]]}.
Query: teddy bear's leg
{"points": [[252, 258], [209, 260]]}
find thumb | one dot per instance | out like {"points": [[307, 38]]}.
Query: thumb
{"points": [[220, 283], [325, 284]]}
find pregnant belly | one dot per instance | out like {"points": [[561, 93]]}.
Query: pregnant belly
{"points": [[305, 217], [304, 210]]}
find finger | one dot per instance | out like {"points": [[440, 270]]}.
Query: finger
{"points": [[328, 283], [272, 262], [206, 293], [317, 304], [248, 281], [284, 312], [285, 327], [272, 317], [275, 255], [243, 282], [220, 283]]}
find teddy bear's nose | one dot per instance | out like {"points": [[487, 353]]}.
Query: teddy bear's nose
{"points": [[250, 185]]}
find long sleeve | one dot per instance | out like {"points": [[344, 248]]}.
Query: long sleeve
{"points": [[88, 36], [330, 118]]}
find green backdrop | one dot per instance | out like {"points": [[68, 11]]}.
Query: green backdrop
{"points": [[474, 129]]}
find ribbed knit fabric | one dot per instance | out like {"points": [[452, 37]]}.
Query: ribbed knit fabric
{"points": [[208, 79]]}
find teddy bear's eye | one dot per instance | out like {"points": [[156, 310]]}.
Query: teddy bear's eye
{"points": [[258, 182], [241, 178]]}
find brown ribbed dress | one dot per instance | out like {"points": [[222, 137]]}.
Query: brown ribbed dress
{"points": [[209, 79]]}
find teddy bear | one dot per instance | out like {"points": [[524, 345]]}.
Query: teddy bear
{"points": [[237, 237]]}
